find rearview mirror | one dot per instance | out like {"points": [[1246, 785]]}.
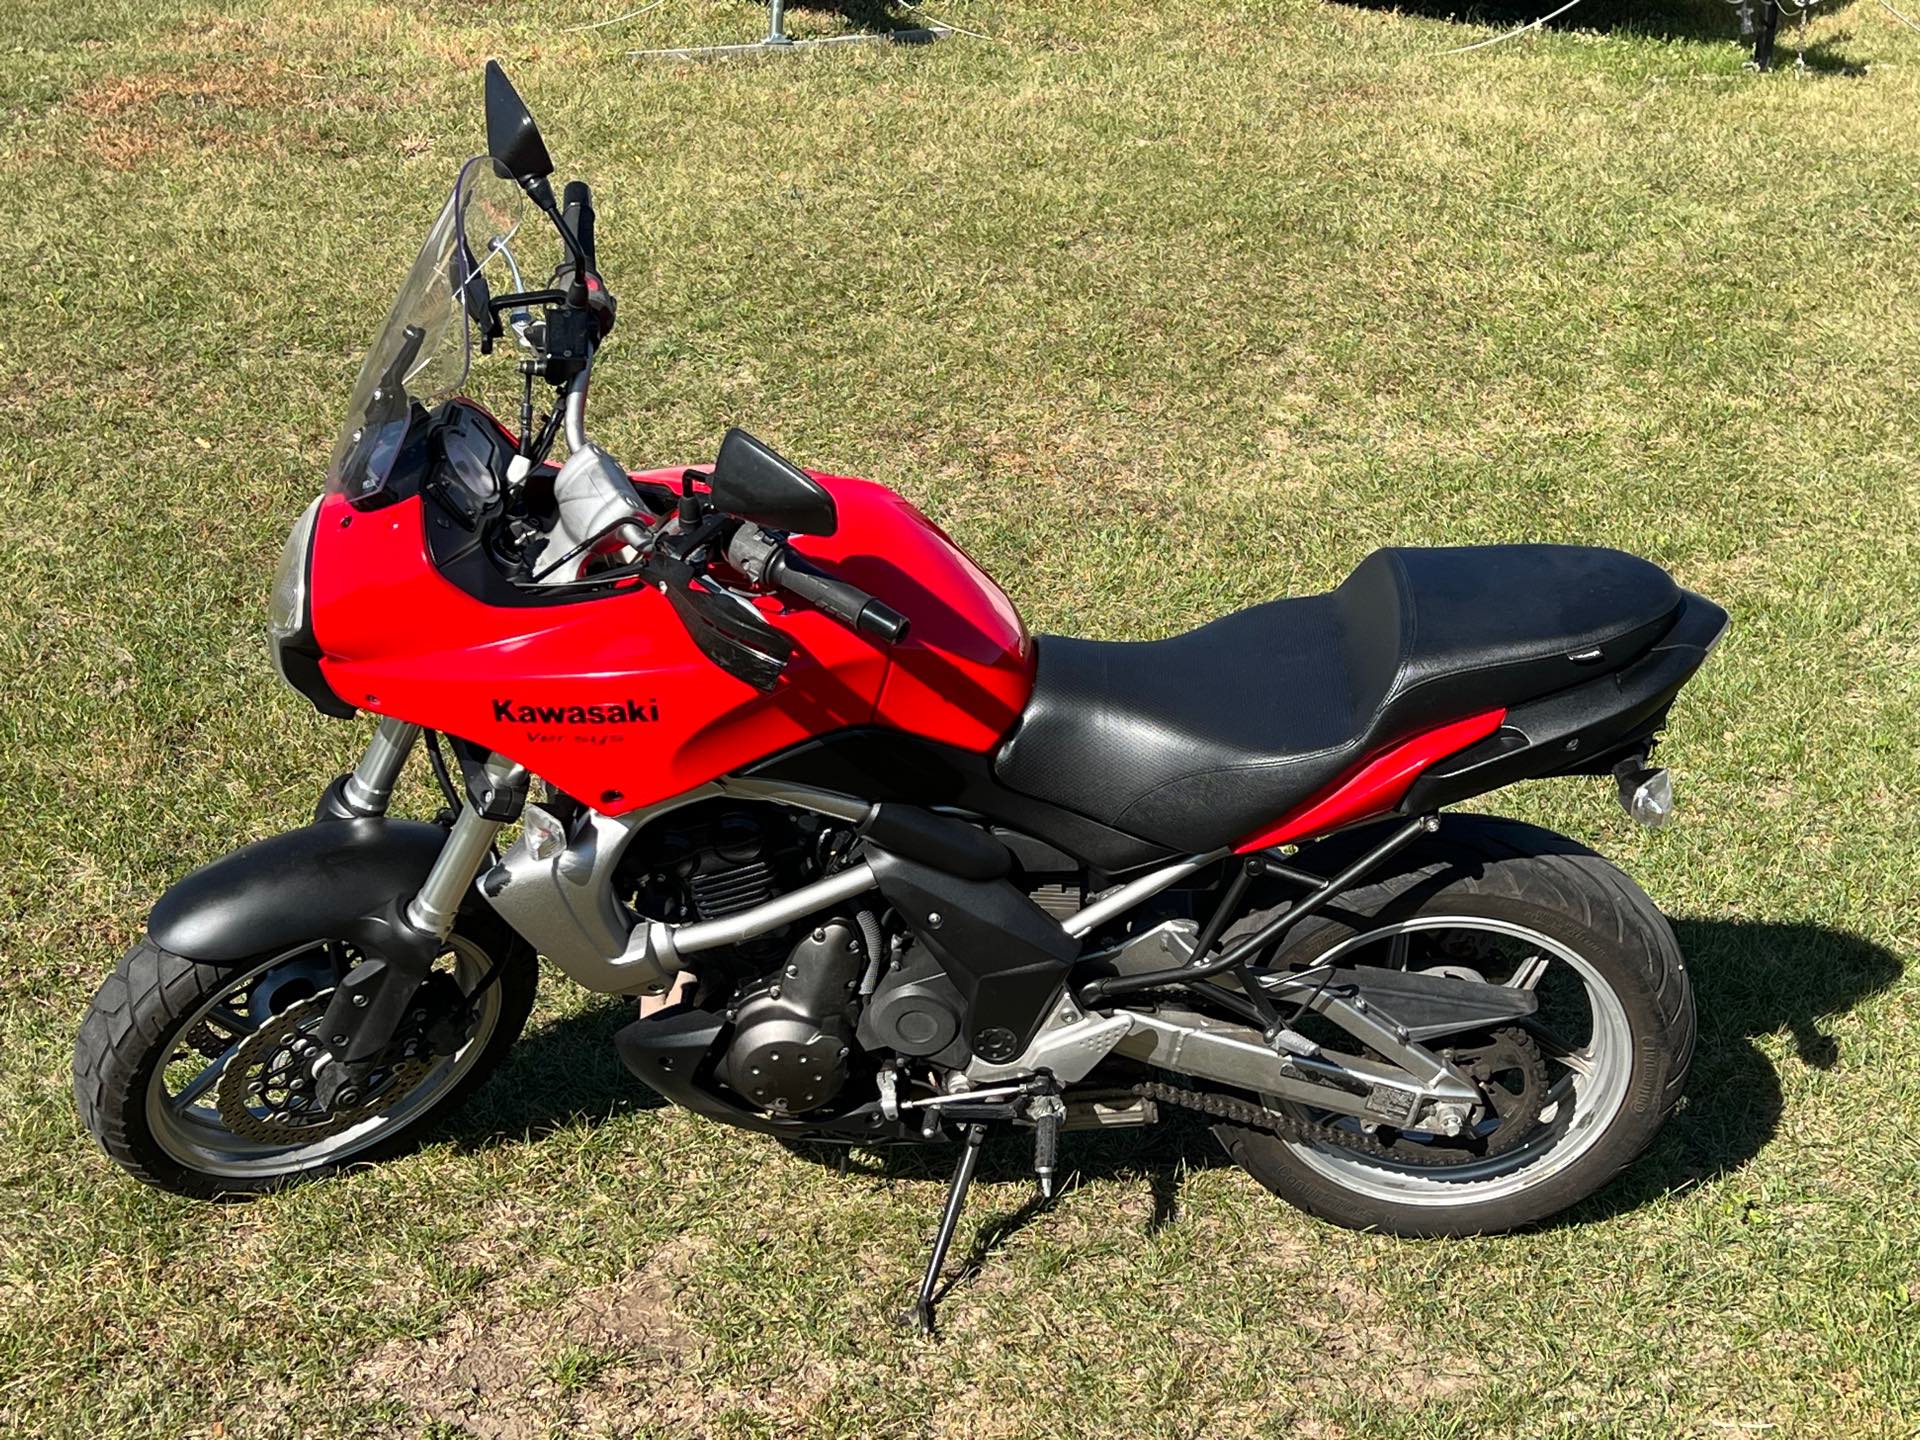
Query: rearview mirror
{"points": [[752, 482], [513, 140]]}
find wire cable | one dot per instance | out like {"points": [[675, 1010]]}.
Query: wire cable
{"points": [[937, 23], [1911, 25], [615, 20], [1515, 34]]}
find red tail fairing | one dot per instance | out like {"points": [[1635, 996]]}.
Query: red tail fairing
{"points": [[1376, 785]]}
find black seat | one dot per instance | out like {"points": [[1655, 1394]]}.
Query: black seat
{"points": [[1201, 740]]}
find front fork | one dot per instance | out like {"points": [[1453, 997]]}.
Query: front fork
{"points": [[372, 1000]]}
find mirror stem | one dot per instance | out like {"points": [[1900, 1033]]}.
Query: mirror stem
{"points": [[541, 193]]}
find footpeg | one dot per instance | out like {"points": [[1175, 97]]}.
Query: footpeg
{"points": [[1646, 792], [1047, 1112], [1291, 1041]]}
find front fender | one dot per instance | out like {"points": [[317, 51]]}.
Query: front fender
{"points": [[337, 880]]}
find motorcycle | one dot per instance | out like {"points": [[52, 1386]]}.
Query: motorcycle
{"points": [[910, 874]]}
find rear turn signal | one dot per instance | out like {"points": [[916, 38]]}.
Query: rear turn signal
{"points": [[1645, 793]]}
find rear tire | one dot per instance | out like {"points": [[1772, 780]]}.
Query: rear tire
{"points": [[145, 1018], [1531, 881]]}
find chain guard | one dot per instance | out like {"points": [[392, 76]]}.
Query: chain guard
{"points": [[1504, 1052], [267, 1094]]}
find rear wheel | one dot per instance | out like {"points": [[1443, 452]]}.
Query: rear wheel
{"points": [[197, 1078], [1575, 1093]]}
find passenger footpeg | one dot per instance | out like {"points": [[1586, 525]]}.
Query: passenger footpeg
{"points": [[1646, 792]]}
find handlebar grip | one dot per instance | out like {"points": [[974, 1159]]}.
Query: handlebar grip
{"points": [[848, 604], [577, 210]]}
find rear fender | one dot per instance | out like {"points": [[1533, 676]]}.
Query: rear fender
{"points": [[338, 880]]}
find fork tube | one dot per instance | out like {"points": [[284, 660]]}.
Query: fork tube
{"points": [[370, 786], [460, 859]]}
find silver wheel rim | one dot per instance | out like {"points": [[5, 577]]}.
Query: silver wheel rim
{"points": [[1588, 1087], [187, 1125]]}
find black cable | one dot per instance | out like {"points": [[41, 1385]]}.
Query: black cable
{"points": [[440, 771]]}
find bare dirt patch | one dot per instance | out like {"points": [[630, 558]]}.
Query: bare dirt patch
{"points": [[596, 1360], [256, 86], [260, 106]]}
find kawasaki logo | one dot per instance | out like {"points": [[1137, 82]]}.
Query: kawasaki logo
{"points": [[620, 712]]}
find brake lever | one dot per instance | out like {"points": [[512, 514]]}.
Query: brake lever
{"points": [[728, 629]]}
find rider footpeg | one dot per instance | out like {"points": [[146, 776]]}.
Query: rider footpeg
{"points": [[1047, 1112]]}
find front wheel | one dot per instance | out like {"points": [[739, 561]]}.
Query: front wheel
{"points": [[196, 1078], [1578, 1090]]}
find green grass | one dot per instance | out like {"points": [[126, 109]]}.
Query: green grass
{"points": [[1159, 310]]}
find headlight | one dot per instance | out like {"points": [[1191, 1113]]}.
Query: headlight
{"points": [[287, 605], [290, 619]]}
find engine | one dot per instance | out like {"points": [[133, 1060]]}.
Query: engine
{"points": [[792, 1045], [792, 996], [917, 1011], [714, 860], [805, 1003]]}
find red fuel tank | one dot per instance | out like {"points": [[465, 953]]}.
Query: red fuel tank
{"points": [[610, 699]]}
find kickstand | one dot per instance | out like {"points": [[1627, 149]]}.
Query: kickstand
{"points": [[921, 1316]]}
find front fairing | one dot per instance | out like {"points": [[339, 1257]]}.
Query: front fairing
{"points": [[610, 700]]}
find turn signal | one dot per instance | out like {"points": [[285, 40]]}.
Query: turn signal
{"points": [[1646, 794], [546, 836]]}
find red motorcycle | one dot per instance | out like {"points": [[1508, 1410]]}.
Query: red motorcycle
{"points": [[913, 874]]}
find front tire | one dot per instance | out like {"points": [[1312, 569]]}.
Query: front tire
{"points": [[161, 1022], [1582, 920]]}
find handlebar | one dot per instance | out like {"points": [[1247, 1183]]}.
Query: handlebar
{"points": [[577, 210], [770, 561], [585, 289], [848, 604]]}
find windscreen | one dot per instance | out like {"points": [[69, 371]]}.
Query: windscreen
{"points": [[423, 351]]}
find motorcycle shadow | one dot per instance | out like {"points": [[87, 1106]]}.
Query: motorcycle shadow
{"points": [[559, 1074], [1751, 979]]}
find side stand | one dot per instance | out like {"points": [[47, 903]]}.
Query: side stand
{"points": [[1762, 27], [777, 38], [921, 1316]]}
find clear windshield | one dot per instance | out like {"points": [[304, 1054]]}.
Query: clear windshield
{"points": [[424, 349]]}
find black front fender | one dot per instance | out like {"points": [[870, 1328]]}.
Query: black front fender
{"points": [[333, 881]]}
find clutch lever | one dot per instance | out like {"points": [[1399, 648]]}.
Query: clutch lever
{"points": [[728, 630]]}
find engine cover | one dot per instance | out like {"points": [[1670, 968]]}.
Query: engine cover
{"points": [[792, 1042], [917, 1011]]}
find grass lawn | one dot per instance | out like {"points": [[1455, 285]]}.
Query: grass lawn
{"points": [[1159, 309]]}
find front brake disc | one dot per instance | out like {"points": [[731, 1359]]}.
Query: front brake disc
{"points": [[267, 1092]]}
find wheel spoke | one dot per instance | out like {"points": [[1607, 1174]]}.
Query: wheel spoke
{"points": [[204, 1081], [233, 1023], [1527, 973], [1397, 952]]}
